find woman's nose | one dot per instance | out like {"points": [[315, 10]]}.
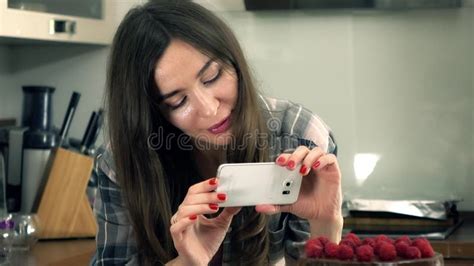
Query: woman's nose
{"points": [[207, 103]]}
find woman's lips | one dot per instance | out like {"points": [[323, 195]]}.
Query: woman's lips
{"points": [[221, 126]]}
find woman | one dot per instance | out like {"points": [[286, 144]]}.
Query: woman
{"points": [[181, 102]]}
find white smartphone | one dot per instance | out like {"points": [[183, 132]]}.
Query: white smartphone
{"points": [[249, 184]]}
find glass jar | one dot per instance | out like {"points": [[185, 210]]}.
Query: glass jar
{"points": [[25, 231], [6, 236]]}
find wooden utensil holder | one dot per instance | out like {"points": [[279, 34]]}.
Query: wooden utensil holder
{"points": [[64, 210]]}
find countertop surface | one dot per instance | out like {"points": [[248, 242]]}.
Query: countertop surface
{"points": [[57, 252], [458, 249], [460, 244]]}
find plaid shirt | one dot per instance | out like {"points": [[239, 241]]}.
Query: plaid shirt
{"points": [[290, 125]]}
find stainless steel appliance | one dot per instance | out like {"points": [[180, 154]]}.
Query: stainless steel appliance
{"points": [[38, 140], [11, 147], [26, 149]]}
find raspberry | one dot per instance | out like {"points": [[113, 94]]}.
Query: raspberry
{"points": [[313, 248], [330, 250], [378, 245], [425, 248], [354, 239], [369, 241], [401, 248], [345, 252], [383, 238], [412, 253], [416, 241], [349, 242], [379, 241], [324, 240], [387, 252], [365, 253], [405, 239]]}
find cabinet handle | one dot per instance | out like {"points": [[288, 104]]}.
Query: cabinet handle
{"points": [[62, 26]]}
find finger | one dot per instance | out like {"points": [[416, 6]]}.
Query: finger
{"points": [[272, 209], [311, 160], [229, 212], [297, 157], [181, 225], [188, 210], [326, 160], [204, 198], [282, 159], [204, 186], [224, 219]]}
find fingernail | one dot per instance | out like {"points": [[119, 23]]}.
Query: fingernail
{"points": [[221, 196], [316, 164], [212, 182], [281, 160], [193, 217], [213, 206], [291, 164], [303, 169]]}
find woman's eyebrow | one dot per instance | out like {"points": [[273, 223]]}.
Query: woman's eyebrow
{"points": [[204, 68], [201, 71]]}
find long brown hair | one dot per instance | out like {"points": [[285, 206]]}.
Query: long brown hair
{"points": [[153, 179]]}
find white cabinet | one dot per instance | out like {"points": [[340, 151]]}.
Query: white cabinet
{"points": [[75, 21]]}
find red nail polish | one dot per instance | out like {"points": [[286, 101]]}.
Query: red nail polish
{"points": [[213, 206], [281, 160], [193, 217], [316, 164], [291, 164], [303, 169], [212, 182], [221, 196]]}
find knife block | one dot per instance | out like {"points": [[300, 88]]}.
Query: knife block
{"points": [[64, 210]]}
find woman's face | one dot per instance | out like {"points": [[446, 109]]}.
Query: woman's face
{"points": [[198, 93]]}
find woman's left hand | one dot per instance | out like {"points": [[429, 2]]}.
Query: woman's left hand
{"points": [[320, 195]]}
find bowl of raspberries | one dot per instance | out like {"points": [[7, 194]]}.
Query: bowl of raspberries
{"points": [[379, 250]]}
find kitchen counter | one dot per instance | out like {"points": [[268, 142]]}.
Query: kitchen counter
{"points": [[458, 249], [57, 252], [460, 244]]}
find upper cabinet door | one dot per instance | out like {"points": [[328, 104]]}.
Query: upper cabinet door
{"points": [[78, 21]]}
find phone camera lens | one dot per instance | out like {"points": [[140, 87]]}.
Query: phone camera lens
{"points": [[287, 184]]}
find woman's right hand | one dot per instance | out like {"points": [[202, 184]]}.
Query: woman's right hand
{"points": [[197, 238]]}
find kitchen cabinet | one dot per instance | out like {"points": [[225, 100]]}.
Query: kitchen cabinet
{"points": [[74, 21]]}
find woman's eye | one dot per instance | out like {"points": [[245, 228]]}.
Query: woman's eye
{"points": [[181, 103], [216, 77]]}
